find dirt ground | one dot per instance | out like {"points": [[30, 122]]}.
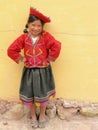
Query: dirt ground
{"points": [[77, 123]]}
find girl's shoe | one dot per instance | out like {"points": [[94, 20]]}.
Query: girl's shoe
{"points": [[41, 124], [34, 124]]}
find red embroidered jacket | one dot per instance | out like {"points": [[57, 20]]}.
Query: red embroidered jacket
{"points": [[39, 54]]}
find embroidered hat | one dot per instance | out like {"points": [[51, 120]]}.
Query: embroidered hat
{"points": [[38, 14]]}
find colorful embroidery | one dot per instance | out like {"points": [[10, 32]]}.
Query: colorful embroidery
{"points": [[37, 103]]}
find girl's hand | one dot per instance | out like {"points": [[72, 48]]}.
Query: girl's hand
{"points": [[22, 59]]}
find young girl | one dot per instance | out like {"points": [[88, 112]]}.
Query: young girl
{"points": [[40, 48]]}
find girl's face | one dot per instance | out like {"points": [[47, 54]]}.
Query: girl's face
{"points": [[35, 28]]}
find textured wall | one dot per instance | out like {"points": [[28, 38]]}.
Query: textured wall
{"points": [[74, 23]]}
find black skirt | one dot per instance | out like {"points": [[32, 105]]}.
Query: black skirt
{"points": [[37, 84]]}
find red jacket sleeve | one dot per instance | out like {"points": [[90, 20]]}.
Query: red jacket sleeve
{"points": [[14, 49], [53, 46]]}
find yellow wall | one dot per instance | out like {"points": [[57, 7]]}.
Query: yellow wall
{"points": [[75, 24]]}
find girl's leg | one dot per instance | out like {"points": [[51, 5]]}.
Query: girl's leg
{"points": [[33, 112], [42, 120], [33, 115], [42, 113]]}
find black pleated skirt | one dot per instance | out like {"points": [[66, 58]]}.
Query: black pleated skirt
{"points": [[37, 85]]}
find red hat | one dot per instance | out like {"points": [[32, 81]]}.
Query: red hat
{"points": [[36, 13]]}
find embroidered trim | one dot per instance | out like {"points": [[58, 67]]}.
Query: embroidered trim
{"points": [[37, 99], [24, 98]]}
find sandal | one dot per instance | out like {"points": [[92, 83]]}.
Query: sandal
{"points": [[42, 124], [34, 124]]}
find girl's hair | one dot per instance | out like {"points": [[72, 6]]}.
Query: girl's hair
{"points": [[31, 18]]}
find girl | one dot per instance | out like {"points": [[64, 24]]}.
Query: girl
{"points": [[40, 48]]}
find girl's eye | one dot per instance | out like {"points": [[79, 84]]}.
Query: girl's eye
{"points": [[39, 25], [33, 25], [36, 25]]}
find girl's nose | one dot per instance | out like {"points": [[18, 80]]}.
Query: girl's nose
{"points": [[36, 28]]}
